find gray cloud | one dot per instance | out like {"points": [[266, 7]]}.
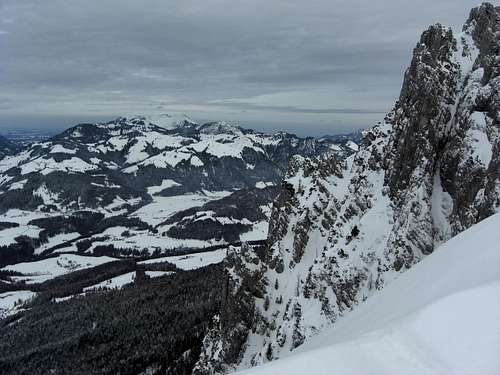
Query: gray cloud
{"points": [[291, 109], [217, 59]]}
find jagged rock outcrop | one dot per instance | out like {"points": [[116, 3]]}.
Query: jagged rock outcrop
{"points": [[244, 281], [342, 229]]}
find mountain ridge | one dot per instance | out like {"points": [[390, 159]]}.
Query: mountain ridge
{"points": [[342, 229], [138, 175]]}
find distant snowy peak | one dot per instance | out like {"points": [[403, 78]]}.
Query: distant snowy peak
{"points": [[220, 127], [128, 124], [355, 136], [164, 120], [89, 165], [175, 122], [156, 167]]}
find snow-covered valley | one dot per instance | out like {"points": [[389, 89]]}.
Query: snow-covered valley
{"points": [[147, 183]]}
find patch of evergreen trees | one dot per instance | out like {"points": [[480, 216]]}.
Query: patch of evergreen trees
{"points": [[158, 323]]}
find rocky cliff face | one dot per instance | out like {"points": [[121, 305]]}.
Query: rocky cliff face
{"points": [[342, 229]]}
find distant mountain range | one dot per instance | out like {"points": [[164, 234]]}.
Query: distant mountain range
{"points": [[166, 181]]}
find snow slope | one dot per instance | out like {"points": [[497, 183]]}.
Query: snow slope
{"points": [[191, 261], [127, 278], [46, 269], [163, 207], [440, 317], [11, 302]]}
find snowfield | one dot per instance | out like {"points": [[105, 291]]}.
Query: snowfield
{"points": [[8, 236], [127, 278], [166, 183], [10, 302], [191, 261], [46, 269], [440, 317], [258, 232], [57, 240], [143, 239], [47, 166], [163, 207]]}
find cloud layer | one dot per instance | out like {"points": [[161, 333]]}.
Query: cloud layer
{"points": [[318, 66]]}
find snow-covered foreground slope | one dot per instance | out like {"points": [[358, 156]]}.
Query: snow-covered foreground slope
{"points": [[440, 317]]}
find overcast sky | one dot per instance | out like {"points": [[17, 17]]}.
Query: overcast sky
{"points": [[310, 67]]}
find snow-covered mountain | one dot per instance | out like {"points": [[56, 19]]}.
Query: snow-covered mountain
{"points": [[341, 230], [147, 182], [449, 327]]}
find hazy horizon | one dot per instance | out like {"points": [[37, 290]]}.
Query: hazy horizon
{"points": [[324, 67]]}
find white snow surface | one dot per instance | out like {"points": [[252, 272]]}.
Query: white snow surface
{"points": [[259, 232], [263, 185], [191, 261], [144, 239], [46, 269], [47, 166], [162, 207], [127, 278], [482, 149], [57, 240], [17, 185], [20, 216], [352, 145], [60, 149], [169, 120], [440, 317], [10, 302], [8, 236], [165, 184]]}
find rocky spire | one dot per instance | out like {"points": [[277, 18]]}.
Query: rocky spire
{"points": [[340, 230]]}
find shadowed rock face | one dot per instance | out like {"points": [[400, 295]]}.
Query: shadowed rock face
{"points": [[341, 229], [422, 111], [483, 25]]}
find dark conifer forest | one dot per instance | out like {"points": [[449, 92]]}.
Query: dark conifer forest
{"points": [[151, 324]]}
